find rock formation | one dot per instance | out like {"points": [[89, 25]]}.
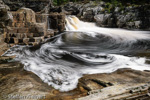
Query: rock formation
{"points": [[110, 15], [30, 28], [127, 83], [5, 20], [25, 26], [5, 17]]}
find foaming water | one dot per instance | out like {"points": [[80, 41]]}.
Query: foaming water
{"points": [[84, 49], [74, 24]]}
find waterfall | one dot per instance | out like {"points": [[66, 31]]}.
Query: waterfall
{"points": [[74, 24], [84, 49]]}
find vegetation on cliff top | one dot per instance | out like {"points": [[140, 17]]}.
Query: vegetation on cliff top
{"points": [[126, 2]]}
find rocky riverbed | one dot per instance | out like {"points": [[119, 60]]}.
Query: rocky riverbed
{"points": [[32, 26], [15, 82]]}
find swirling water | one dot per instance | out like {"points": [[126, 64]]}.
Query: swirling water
{"points": [[84, 49]]}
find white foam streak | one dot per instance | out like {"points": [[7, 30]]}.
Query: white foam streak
{"points": [[58, 76], [120, 62]]}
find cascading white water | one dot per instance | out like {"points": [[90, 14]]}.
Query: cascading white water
{"points": [[74, 24], [84, 49]]}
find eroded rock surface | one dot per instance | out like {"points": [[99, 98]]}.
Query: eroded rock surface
{"points": [[126, 83], [31, 29], [14, 80]]}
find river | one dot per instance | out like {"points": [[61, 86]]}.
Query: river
{"points": [[82, 49]]}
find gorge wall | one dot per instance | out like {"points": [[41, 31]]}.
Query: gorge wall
{"points": [[25, 26], [4, 16], [5, 19], [114, 15], [30, 28]]}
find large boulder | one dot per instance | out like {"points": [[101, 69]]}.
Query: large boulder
{"points": [[105, 20], [72, 8], [25, 15]]}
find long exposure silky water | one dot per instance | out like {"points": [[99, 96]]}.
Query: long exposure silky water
{"points": [[84, 49]]}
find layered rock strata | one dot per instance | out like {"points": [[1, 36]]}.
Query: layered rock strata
{"points": [[31, 29]]}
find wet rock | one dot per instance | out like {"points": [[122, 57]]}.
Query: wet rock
{"points": [[57, 21], [117, 9], [3, 47], [14, 80], [88, 14], [138, 24], [126, 83], [104, 20], [72, 9]]}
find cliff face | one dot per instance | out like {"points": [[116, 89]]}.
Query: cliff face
{"points": [[30, 28], [112, 15], [4, 16], [36, 5]]}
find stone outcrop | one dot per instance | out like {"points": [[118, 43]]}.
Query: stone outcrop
{"points": [[31, 29], [130, 18], [5, 20], [36, 5], [14, 80], [127, 84], [5, 17], [54, 21], [112, 15]]}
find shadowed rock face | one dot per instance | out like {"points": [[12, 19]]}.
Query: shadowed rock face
{"points": [[4, 22], [36, 5], [4, 16]]}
